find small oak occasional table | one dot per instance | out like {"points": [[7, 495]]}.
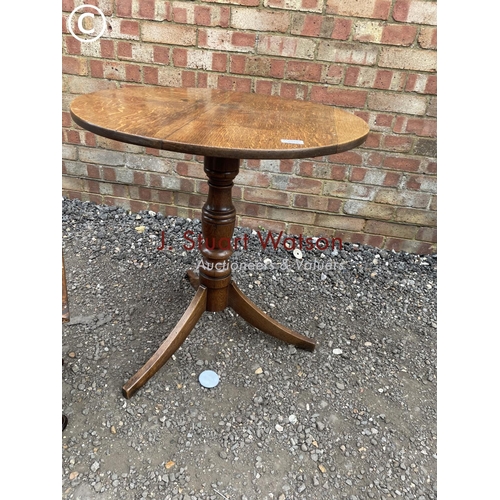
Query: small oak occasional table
{"points": [[224, 127]]}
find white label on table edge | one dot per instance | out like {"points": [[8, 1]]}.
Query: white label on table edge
{"points": [[292, 141]]}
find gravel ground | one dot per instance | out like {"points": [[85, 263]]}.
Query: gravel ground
{"points": [[355, 419]]}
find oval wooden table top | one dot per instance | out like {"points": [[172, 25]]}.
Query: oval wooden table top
{"points": [[218, 123]]}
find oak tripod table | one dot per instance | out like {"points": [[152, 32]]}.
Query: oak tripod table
{"points": [[224, 127]]}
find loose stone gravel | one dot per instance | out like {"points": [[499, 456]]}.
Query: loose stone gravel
{"points": [[355, 419]]}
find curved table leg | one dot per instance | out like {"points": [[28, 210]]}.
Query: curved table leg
{"points": [[243, 306], [193, 278], [170, 344]]}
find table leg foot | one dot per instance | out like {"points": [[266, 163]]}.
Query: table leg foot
{"points": [[193, 279], [243, 306], [170, 344]]}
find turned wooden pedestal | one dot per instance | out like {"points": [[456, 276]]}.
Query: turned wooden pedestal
{"points": [[214, 288]]}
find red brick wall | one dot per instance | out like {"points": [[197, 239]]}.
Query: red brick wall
{"points": [[374, 58]]}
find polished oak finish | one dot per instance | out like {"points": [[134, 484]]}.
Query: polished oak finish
{"points": [[258, 318], [218, 123], [170, 344], [225, 127]]}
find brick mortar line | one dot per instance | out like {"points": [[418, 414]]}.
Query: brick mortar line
{"points": [[313, 159], [121, 183], [403, 173], [284, 207], [385, 238], [322, 62], [365, 231], [307, 83], [413, 46], [407, 72], [262, 8], [373, 218]]}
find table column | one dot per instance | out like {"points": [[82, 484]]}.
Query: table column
{"points": [[217, 222]]}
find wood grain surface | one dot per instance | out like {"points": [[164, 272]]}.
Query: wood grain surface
{"points": [[218, 123]]}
